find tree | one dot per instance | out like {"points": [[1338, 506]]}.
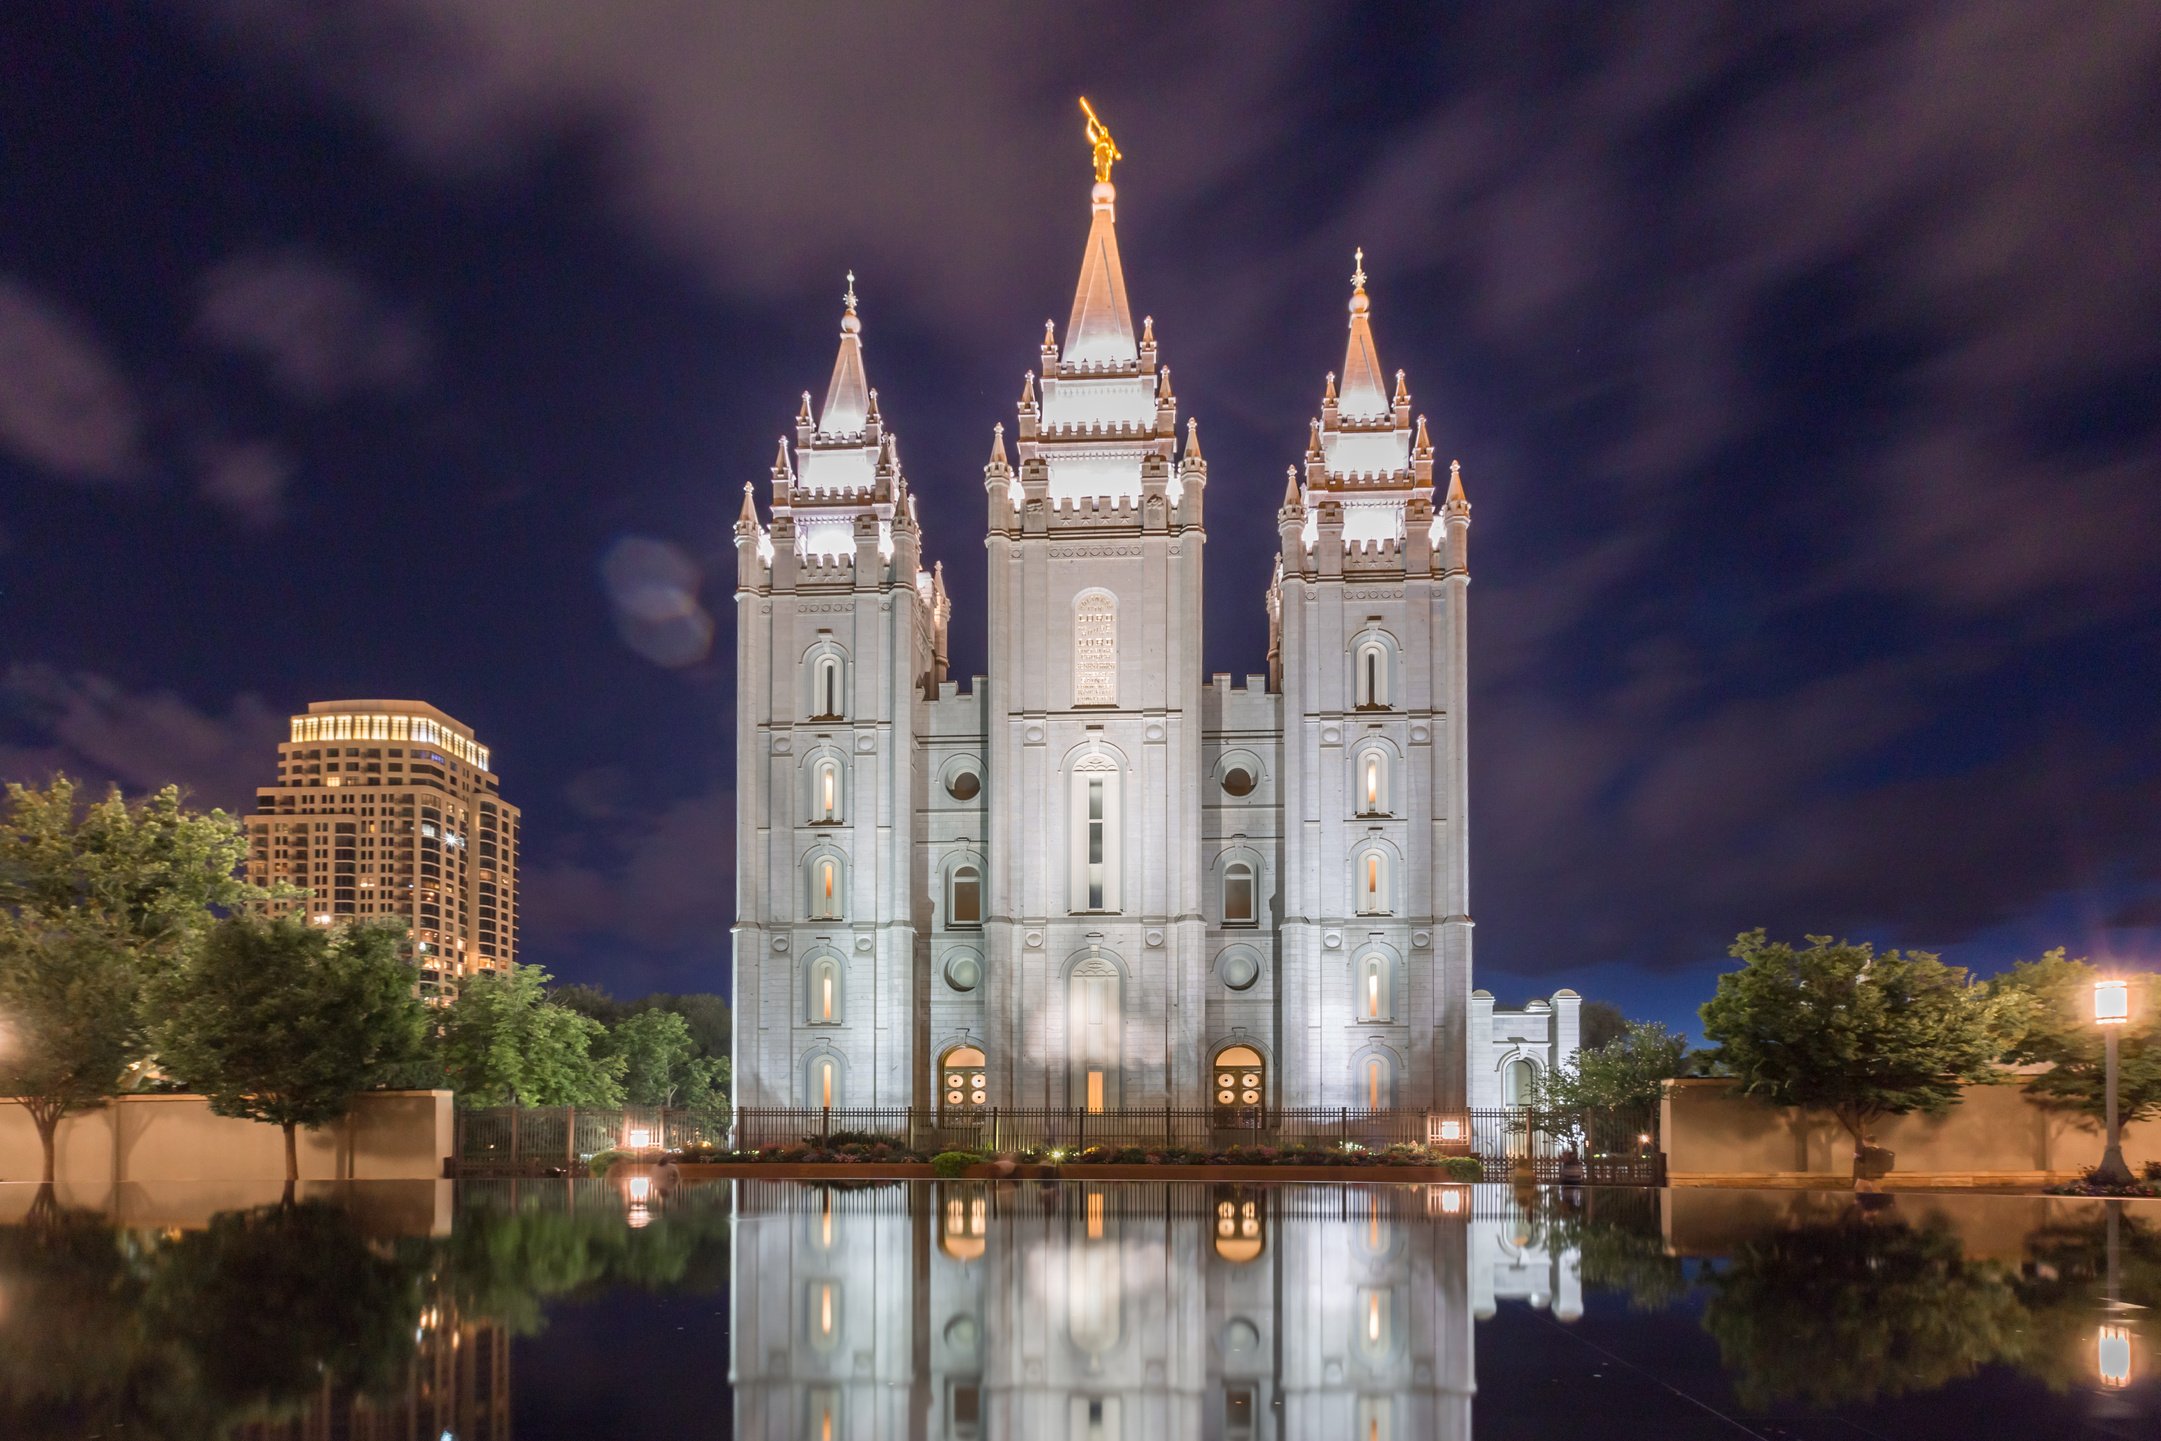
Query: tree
{"points": [[93, 901], [1627, 1073], [2044, 1015], [1839, 1029], [1600, 1024], [661, 1064], [504, 1042], [285, 1022]]}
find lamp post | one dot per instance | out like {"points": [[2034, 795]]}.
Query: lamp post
{"points": [[2111, 1009]]}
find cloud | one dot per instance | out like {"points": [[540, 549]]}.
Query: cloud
{"points": [[321, 332], [65, 405], [247, 478], [96, 729], [660, 881]]}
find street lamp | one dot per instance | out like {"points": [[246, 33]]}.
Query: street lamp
{"points": [[2111, 1010], [2113, 1352]]}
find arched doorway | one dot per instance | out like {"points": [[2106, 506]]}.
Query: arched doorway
{"points": [[964, 1082], [1241, 1090]]}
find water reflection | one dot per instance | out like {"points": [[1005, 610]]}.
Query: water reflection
{"points": [[1121, 1312]]}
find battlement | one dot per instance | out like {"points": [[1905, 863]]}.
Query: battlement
{"points": [[1100, 430]]}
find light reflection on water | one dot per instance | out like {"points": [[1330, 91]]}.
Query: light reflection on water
{"points": [[972, 1311]]}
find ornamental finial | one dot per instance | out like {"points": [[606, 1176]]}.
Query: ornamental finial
{"points": [[1358, 276], [849, 298], [1099, 140]]}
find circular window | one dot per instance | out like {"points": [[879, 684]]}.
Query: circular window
{"points": [[1239, 781], [964, 785], [961, 1334], [964, 973], [1240, 970], [1241, 1336]]}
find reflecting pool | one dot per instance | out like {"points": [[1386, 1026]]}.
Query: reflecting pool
{"points": [[972, 1311]]}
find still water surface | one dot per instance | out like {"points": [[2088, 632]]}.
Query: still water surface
{"points": [[971, 1312]]}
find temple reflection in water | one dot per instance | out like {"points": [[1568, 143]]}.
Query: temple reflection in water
{"points": [[964, 1310]]}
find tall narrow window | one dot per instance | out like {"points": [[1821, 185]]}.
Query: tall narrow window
{"points": [[1374, 1086], [1372, 788], [825, 889], [825, 688], [1095, 1090], [1238, 900], [1371, 875], [825, 803], [825, 996], [1371, 676], [1095, 844], [1371, 995], [964, 901], [827, 1090]]}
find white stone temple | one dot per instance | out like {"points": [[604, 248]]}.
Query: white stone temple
{"points": [[1099, 878]]}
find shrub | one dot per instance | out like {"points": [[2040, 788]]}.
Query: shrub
{"points": [[1462, 1168], [954, 1163], [600, 1162]]}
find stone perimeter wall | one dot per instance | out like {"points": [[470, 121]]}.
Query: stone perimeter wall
{"points": [[1713, 1132], [389, 1136]]}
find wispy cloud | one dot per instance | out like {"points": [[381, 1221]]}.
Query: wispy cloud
{"points": [[97, 729], [65, 405], [321, 332], [247, 478]]}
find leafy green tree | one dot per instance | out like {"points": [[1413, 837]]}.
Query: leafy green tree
{"points": [[1627, 1073], [504, 1042], [1857, 1310], [2044, 1013], [1837, 1028], [285, 1022], [661, 1064], [590, 1001], [710, 1021], [94, 900]]}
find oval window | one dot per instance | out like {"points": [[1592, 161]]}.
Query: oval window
{"points": [[964, 785], [964, 973], [1240, 970], [1239, 781]]}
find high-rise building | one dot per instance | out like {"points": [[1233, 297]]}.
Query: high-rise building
{"points": [[1097, 878], [388, 808]]}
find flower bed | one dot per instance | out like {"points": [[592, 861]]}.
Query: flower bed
{"points": [[2085, 1185]]}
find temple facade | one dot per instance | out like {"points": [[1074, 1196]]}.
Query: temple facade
{"points": [[1099, 878]]}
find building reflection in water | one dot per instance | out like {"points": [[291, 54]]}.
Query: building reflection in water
{"points": [[458, 1385], [1127, 1312]]}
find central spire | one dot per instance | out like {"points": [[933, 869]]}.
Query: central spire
{"points": [[1363, 395], [1101, 328], [847, 396]]}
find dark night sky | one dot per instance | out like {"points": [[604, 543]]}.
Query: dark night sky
{"points": [[1804, 364]]}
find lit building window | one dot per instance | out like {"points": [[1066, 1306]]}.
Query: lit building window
{"points": [[1238, 900], [1374, 991], [825, 684], [1372, 675], [825, 793], [825, 991], [825, 889], [964, 897], [1095, 835], [1370, 874], [965, 1076]]}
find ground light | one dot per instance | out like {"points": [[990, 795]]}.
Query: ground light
{"points": [[2113, 1355]]}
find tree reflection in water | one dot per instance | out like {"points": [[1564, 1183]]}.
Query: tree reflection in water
{"points": [[268, 1322]]}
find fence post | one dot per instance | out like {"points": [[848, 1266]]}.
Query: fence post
{"points": [[1343, 1126], [1166, 1127], [514, 1109], [825, 1122], [1082, 1144], [570, 1140], [908, 1120], [994, 1130]]}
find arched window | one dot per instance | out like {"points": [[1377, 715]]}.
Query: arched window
{"points": [[827, 888], [1371, 675], [964, 897], [825, 793], [964, 1079], [822, 1080], [1375, 1000], [825, 687], [1374, 1076], [1240, 907], [1093, 1033], [1372, 782], [1369, 881], [1518, 1080], [825, 992], [1094, 839]]}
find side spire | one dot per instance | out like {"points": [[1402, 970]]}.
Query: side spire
{"points": [[1101, 328], [1362, 393], [847, 396]]}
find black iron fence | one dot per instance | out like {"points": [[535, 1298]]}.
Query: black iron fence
{"points": [[1596, 1148]]}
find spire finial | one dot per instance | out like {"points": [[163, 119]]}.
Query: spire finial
{"points": [[849, 324], [1193, 439], [1457, 502], [1104, 149], [1358, 283]]}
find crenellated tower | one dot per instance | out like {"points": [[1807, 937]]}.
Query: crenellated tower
{"points": [[1367, 645], [1093, 936], [840, 634]]}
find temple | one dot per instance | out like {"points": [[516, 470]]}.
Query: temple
{"points": [[1100, 879]]}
